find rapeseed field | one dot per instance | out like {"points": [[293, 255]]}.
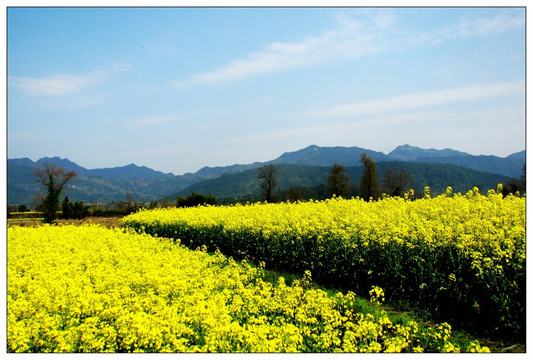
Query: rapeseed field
{"points": [[92, 289]]}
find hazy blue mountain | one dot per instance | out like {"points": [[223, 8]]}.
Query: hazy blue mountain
{"points": [[97, 185], [350, 156], [145, 184], [413, 153], [511, 167], [325, 156], [130, 171], [23, 162], [21, 184], [521, 155], [120, 172], [213, 172], [61, 163]]}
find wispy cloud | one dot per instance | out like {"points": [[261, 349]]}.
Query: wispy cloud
{"points": [[465, 28], [151, 121], [351, 39], [419, 100], [59, 85], [485, 26]]}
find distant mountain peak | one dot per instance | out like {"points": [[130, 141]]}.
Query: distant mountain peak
{"points": [[61, 163], [405, 146], [518, 155], [326, 156], [409, 153], [120, 172]]}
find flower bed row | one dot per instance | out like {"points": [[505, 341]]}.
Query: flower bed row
{"points": [[461, 257]]}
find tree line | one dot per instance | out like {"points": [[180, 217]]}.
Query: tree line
{"points": [[396, 182]]}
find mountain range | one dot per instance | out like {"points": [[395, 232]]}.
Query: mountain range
{"points": [[308, 167]]}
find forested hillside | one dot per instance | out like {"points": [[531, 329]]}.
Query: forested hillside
{"points": [[313, 179], [303, 169]]}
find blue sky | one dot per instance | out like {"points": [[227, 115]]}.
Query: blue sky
{"points": [[176, 89]]}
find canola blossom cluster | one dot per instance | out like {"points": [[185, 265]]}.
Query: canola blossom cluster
{"points": [[461, 257], [92, 289]]}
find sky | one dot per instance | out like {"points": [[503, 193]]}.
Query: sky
{"points": [[177, 89]]}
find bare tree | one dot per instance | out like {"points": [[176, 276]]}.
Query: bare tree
{"points": [[268, 174], [54, 179], [295, 193], [396, 182]]}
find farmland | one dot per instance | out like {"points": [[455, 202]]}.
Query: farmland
{"points": [[197, 279], [91, 289], [460, 257]]}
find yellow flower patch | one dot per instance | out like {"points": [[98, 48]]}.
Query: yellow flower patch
{"points": [[92, 289]]}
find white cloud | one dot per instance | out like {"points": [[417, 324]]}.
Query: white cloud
{"points": [[60, 84], [486, 26], [350, 40], [63, 84], [151, 121], [419, 100]]}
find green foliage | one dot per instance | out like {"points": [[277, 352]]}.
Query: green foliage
{"points": [[242, 187], [67, 209], [195, 199], [338, 181], [74, 211], [50, 206], [54, 179], [369, 180]]}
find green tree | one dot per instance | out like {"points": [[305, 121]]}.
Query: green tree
{"points": [[338, 181], [67, 208], [80, 211], [268, 175], [74, 211], [195, 199], [369, 180], [54, 179]]}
